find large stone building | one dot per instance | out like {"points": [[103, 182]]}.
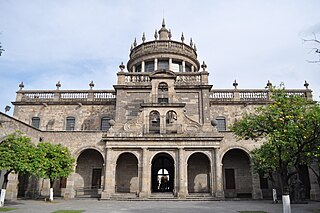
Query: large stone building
{"points": [[162, 131]]}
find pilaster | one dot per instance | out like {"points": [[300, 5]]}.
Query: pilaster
{"points": [[182, 193]]}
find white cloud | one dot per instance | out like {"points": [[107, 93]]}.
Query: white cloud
{"points": [[78, 41]]}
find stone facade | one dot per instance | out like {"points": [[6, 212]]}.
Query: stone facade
{"points": [[162, 130]]}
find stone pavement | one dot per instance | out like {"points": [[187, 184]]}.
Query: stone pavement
{"points": [[95, 206]]}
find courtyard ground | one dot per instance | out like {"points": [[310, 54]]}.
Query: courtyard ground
{"points": [[95, 206]]}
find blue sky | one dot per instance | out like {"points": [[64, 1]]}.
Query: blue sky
{"points": [[76, 41]]}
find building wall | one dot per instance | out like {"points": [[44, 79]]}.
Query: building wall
{"points": [[53, 117]]}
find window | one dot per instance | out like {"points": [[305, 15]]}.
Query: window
{"points": [[149, 66], [188, 68], [105, 125], [163, 64], [154, 122], [221, 123], [35, 122], [70, 123], [138, 68], [176, 66], [163, 93]]}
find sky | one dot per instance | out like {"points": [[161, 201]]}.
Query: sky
{"points": [[79, 41]]}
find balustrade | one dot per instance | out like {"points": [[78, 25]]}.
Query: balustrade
{"points": [[66, 96]]}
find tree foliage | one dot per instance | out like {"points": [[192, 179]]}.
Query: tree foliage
{"points": [[56, 161], [291, 128], [1, 49], [316, 48], [18, 154]]}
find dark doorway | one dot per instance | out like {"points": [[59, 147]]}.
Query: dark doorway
{"points": [[96, 178], [230, 179], [305, 179], [23, 184], [162, 173]]}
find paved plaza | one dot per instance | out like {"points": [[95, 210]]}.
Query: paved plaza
{"points": [[95, 206]]}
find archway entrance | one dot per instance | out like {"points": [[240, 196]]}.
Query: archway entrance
{"points": [[89, 174], [198, 173], [127, 174], [237, 174], [162, 173]]}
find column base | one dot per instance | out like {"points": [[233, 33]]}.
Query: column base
{"points": [[182, 195], [315, 194], [143, 195], [69, 194], [105, 195], [220, 194], [257, 194]]}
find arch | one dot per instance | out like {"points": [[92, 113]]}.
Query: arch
{"points": [[154, 122], [171, 122], [162, 173], [127, 173], [88, 178], [163, 93], [78, 152], [198, 173], [237, 174]]}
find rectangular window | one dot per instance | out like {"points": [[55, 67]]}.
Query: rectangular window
{"points": [[35, 122], [221, 124], [149, 66], [105, 125], [70, 123], [163, 100], [230, 179], [163, 64]]}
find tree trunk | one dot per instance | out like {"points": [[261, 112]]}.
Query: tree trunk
{"points": [[51, 190], [4, 187], [283, 172]]}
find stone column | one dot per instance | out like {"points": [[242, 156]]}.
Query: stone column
{"points": [[182, 193], [145, 179], [256, 189], [109, 176], [170, 63], [155, 64], [213, 173], [183, 66], [192, 68], [162, 124], [142, 66], [219, 176], [314, 186], [69, 192]]}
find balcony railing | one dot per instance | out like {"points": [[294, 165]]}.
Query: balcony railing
{"points": [[143, 78], [252, 95], [77, 96]]}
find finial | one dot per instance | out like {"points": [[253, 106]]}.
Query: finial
{"points": [[163, 23], [191, 43], [21, 85], [155, 34], [182, 38], [269, 84], [121, 66], [195, 47], [235, 84], [143, 37], [91, 85], [7, 109], [131, 48], [204, 66], [169, 35], [135, 42], [306, 85], [58, 85]]}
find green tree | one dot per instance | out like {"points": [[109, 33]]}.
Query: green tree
{"points": [[17, 154], [56, 161], [291, 127]]}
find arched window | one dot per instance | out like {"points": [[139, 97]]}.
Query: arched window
{"points": [[35, 122], [105, 125], [154, 122], [221, 123], [163, 96], [149, 66], [70, 123]]}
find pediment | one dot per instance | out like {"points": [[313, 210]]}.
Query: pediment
{"points": [[163, 74]]}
